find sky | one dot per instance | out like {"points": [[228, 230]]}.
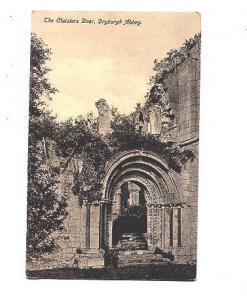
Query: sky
{"points": [[91, 60]]}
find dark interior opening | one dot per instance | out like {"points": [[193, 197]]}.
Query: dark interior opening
{"points": [[133, 218]]}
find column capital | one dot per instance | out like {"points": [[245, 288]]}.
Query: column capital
{"points": [[86, 202], [105, 201]]}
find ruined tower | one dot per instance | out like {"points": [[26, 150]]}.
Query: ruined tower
{"points": [[105, 116]]}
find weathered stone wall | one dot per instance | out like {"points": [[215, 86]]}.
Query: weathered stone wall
{"points": [[94, 226], [81, 224], [189, 181], [184, 94], [72, 222]]}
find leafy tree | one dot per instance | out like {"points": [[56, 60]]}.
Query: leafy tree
{"points": [[40, 87], [74, 134], [46, 208], [79, 139]]}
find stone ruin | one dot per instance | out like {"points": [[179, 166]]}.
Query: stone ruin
{"points": [[139, 178]]}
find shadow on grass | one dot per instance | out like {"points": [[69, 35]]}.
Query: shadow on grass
{"points": [[148, 272]]}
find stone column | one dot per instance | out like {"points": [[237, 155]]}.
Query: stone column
{"points": [[94, 225], [155, 225], [88, 206], [175, 227], [163, 227], [159, 226], [167, 227], [106, 235], [179, 227], [109, 224], [149, 226], [83, 226], [171, 228], [104, 223]]}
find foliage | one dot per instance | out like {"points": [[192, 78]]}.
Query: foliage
{"points": [[74, 134], [87, 182], [79, 139], [173, 59], [45, 208], [40, 87], [94, 151], [125, 137]]}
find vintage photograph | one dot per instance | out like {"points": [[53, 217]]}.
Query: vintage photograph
{"points": [[113, 145]]}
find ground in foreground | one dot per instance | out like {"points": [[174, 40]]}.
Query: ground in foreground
{"points": [[180, 272]]}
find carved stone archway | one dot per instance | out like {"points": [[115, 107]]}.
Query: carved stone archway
{"points": [[162, 193]]}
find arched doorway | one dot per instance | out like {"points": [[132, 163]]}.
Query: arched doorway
{"points": [[139, 191]]}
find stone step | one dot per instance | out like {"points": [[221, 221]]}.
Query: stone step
{"points": [[151, 259], [142, 264], [137, 258], [140, 257], [139, 262], [136, 252], [133, 255], [89, 254], [147, 261]]}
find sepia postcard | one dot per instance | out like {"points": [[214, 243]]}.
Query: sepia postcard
{"points": [[113, 145]]}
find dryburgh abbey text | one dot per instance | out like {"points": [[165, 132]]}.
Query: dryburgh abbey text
{"points": [[93, 21]]}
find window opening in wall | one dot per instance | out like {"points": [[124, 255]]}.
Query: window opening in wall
{"points": [[141, 119]]}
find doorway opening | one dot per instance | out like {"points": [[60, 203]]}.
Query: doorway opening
{"points": [[130, 227]]}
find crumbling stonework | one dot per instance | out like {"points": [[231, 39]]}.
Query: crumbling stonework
{"points": [[170, 198], [105, 116]]}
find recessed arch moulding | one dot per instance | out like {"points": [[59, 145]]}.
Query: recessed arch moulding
{"points": [[162, 193]]}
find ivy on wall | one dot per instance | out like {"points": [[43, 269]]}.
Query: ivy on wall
{"points": [[123, 137], [173, 59]]}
